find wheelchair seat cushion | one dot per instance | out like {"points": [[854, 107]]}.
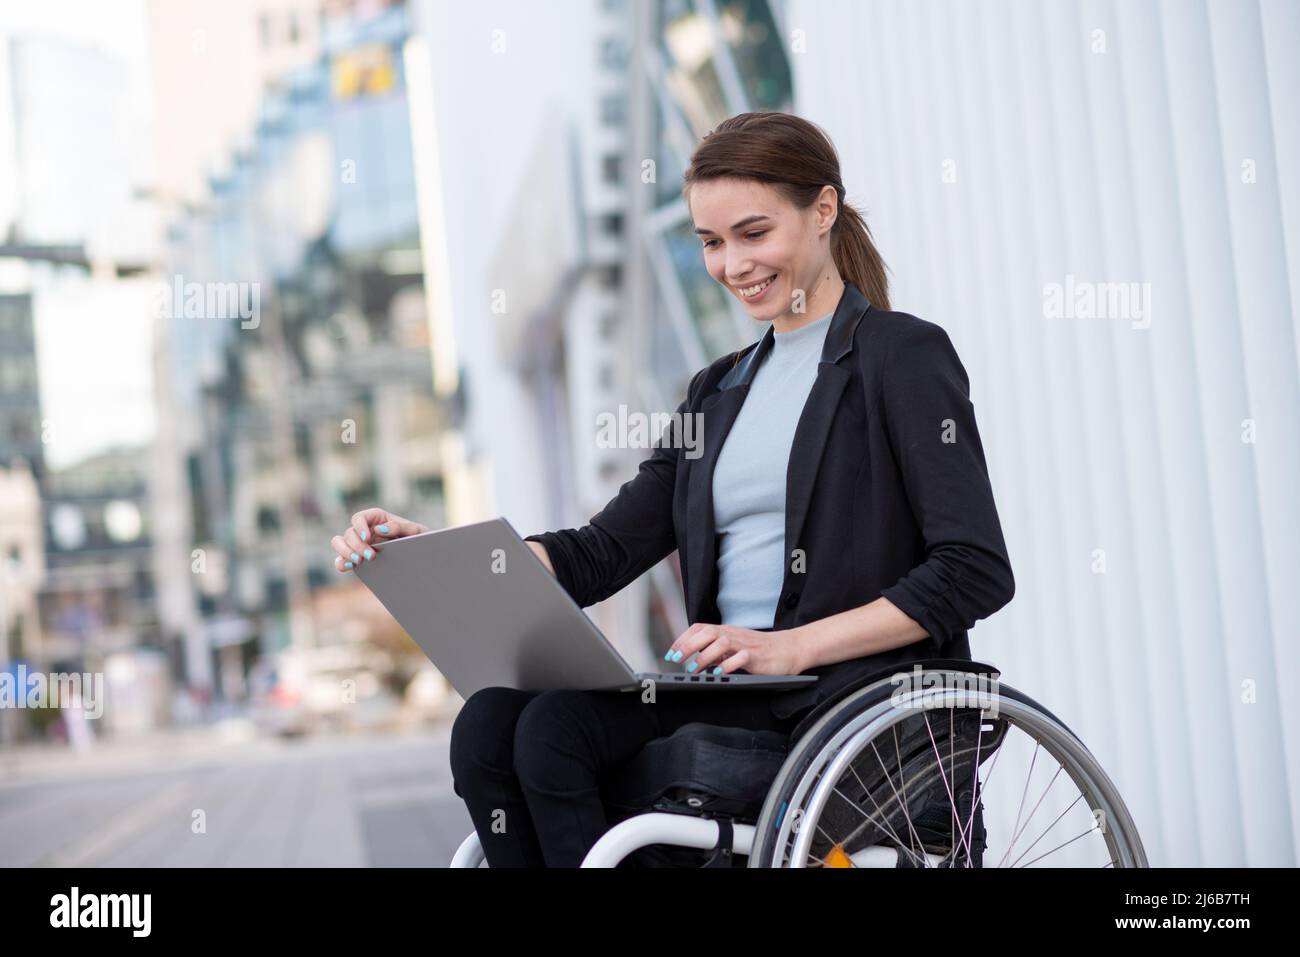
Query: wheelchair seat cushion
{"points": [[701, 769]]}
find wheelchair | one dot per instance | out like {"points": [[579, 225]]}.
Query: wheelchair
{"points": [[897, 769]]}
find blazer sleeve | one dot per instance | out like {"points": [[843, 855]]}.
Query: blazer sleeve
{"points": [[632, 533], [930, 420]]}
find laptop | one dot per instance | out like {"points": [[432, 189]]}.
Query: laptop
{"points": [[487, 613]]}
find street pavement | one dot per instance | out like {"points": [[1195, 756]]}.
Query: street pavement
{"points": [[224, 797]]}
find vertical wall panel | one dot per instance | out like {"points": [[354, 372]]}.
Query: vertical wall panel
{"points": [[1169, 491], [1263, 313], [1280, 26]]}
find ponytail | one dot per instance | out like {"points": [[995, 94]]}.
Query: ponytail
{"points": [[856, 256]]}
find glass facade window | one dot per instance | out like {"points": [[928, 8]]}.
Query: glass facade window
{"points": [[669, 157], [611, 169], [613, 109], [268, 519], [373, 152], [690, 69], [751, 35], [613, 53], [670, 366], [611, 224], [610, 276]]}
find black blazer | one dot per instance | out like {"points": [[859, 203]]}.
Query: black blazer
{"points": [[887, 494]]}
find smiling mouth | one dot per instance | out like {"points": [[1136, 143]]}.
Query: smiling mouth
{"points": [[749, 292]]}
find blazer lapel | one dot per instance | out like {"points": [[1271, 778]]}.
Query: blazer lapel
{"points": [[720, 408], [807, 447]]}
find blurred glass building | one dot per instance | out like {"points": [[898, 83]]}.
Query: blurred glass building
{"points": [[76, 584], [285, 423]]}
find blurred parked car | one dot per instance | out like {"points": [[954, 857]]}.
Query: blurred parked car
{"points": [[340, 687]]}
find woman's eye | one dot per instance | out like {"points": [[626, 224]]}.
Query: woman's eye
{"points": [[753, 235]]}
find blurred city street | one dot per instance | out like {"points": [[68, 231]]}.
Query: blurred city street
{"points": [[372, 799]]}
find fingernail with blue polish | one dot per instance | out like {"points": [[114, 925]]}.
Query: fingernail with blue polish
{"points": [[718, 670], [382, 529], [369, 553], [668, 655], [355, 558], [347, 564], [365, 535], [677, 656], [692, 666]]}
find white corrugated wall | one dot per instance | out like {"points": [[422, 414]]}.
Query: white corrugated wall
{"points": [[998, 147]]}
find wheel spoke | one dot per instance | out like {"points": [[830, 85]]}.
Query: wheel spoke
{"points": [[902, 782], [974, 788], [1016, 836], [1015, 829], [883, 822], [1059, 846], [952, 800], [1050, 826]]}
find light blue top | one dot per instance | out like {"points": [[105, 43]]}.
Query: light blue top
{"points": [[750, 477]]}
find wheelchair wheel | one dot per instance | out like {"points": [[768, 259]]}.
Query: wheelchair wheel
{"points": [[906, 774]]}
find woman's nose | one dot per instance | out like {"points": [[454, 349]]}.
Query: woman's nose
{"points": [[741, 270]]}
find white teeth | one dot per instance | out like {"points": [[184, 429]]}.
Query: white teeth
{"points": [[753, 291]]}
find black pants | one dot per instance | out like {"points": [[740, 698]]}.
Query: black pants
{"points": [[528, 765]]}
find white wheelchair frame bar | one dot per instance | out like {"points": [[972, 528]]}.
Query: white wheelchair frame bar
{"points": [[678, 830]]}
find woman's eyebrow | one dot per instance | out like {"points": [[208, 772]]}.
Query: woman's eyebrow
{"points": [[744, 222]]}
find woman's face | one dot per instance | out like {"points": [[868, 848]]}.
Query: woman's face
{"points": [[751, 234]]}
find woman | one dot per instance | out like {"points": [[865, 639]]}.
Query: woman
{"points": [[837, 519]]}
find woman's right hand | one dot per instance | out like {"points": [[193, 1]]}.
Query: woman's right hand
{"points": [[370, 525]]}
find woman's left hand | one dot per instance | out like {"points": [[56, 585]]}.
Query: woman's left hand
{"points": [[729, 647]]}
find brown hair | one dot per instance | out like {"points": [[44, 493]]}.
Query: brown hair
{"points": [[797, 158]]}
